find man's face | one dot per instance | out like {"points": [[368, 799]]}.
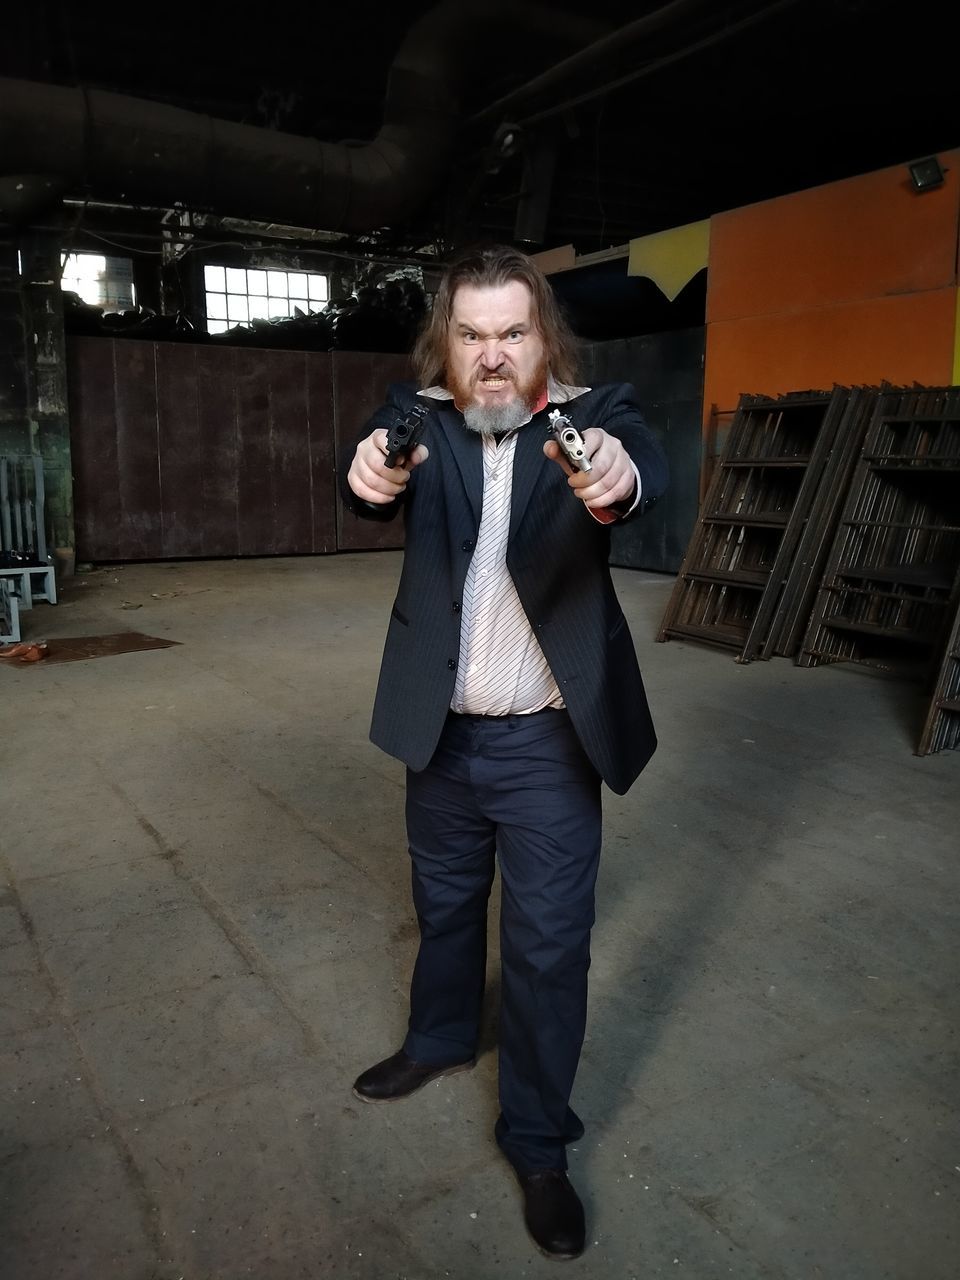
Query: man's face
{"points": [[496, 355]]}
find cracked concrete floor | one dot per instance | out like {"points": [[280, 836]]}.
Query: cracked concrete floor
{"points": [[205, 933]]}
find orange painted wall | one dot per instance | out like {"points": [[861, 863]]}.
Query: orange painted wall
{"points": [[852, 282], [900, 340]]}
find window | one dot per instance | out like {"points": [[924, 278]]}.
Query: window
{"points": [[237, 295], [101, 281]]}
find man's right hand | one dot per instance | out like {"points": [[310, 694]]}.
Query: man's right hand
{"points": [[373, 481]]}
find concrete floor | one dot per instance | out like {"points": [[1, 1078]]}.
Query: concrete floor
{"points": [[205, 933]]}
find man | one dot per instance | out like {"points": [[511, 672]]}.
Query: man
{"points": [[510, 688]]}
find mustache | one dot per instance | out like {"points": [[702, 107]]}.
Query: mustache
{"points": [[502, 371]]}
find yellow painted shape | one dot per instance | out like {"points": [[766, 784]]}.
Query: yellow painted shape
{"points": [[956, 345], [671, 258]]}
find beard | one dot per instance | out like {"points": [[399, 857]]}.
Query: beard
{"points": [[492, 419], [495, 419]]}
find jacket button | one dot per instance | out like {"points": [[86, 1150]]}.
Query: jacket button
{"points": [[456, 606], [466, 545], [451, 664]]}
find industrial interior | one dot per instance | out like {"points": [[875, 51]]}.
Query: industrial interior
{"points": [[219, 235]]}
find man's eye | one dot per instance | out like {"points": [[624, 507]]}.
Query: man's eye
{"points": [[515, 335], [469, 337]]}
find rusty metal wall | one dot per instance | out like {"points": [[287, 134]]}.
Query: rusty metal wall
{"points": [[183, 451], [93, 444], [190, 451]]}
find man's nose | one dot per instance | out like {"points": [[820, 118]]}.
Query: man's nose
{"points": [[492, 353]]}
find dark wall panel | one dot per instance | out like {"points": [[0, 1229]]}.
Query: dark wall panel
{"points": [[138, 473], [218, 454], [254, 483], [204, 451], [179, 454], [666, 370], [290, 453], [96, 488], [322, 452], [182, 450]]}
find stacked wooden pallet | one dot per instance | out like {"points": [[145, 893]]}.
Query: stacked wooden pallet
{"points": [[831, 532], [891, 585], [734, 589]]}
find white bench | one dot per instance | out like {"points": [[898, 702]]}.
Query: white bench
{"points": [[9, 614], [32, 582]]}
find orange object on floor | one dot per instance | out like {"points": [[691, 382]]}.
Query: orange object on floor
{"points": [[25, 651]]}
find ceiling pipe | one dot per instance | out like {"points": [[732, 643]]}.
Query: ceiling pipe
{"points": [[131, 149], [725, 32], [110, 146], [672, 17]]}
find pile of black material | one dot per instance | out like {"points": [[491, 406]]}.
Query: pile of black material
{"points": [[382, 318], [81, 317], [299, 332], [385, 318]]}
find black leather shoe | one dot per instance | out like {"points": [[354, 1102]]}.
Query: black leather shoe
{"points": [[553, 1213], [399, 1076]]}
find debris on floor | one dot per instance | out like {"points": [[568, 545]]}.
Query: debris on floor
{"points": [[25, 651]]}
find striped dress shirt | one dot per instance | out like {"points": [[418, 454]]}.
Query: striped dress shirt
{"points": [[501, 670]]}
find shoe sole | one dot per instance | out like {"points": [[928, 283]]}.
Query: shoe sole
{"points": [[557, 1257], [437, 1075]]}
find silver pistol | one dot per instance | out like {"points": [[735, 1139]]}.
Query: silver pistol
{"points": [[569, 439]]}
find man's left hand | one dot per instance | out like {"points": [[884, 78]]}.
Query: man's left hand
{"points": [[611, 477]]}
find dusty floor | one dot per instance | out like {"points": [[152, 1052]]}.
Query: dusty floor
{"points": [[205, 933]]}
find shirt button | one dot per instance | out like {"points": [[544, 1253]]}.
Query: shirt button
{"points": [[451, 664], [466, 545]]}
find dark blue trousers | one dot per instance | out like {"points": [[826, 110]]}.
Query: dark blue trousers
{"points": [[519, 788]]}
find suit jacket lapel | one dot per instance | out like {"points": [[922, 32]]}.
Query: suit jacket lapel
{"points": [[467, 450], [528, 463]]}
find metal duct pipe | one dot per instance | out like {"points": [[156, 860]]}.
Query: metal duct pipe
{"points": [[130, 149], [114, 147]]}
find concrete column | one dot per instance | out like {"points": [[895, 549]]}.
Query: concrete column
{"points": [[14, 417], [46, 376]]}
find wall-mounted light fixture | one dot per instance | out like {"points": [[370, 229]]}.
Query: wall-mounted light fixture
{"points": [[926, 173], [507, 142]]}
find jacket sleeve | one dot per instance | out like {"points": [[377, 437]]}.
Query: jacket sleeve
{"points": [[400, 397], [619, 414]]}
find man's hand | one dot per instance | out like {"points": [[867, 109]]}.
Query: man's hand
{"points": [[611, 477], [371, 480]]}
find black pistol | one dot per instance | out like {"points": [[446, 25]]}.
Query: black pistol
{"points": [[570, 441], [404, 436]]}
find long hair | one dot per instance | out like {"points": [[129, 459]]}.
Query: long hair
{"points": [[490, 267]]}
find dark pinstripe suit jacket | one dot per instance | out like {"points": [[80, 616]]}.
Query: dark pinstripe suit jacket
{"points": [[558, 558]]}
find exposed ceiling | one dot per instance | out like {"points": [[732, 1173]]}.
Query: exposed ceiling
{"points": [[692, 108]]}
